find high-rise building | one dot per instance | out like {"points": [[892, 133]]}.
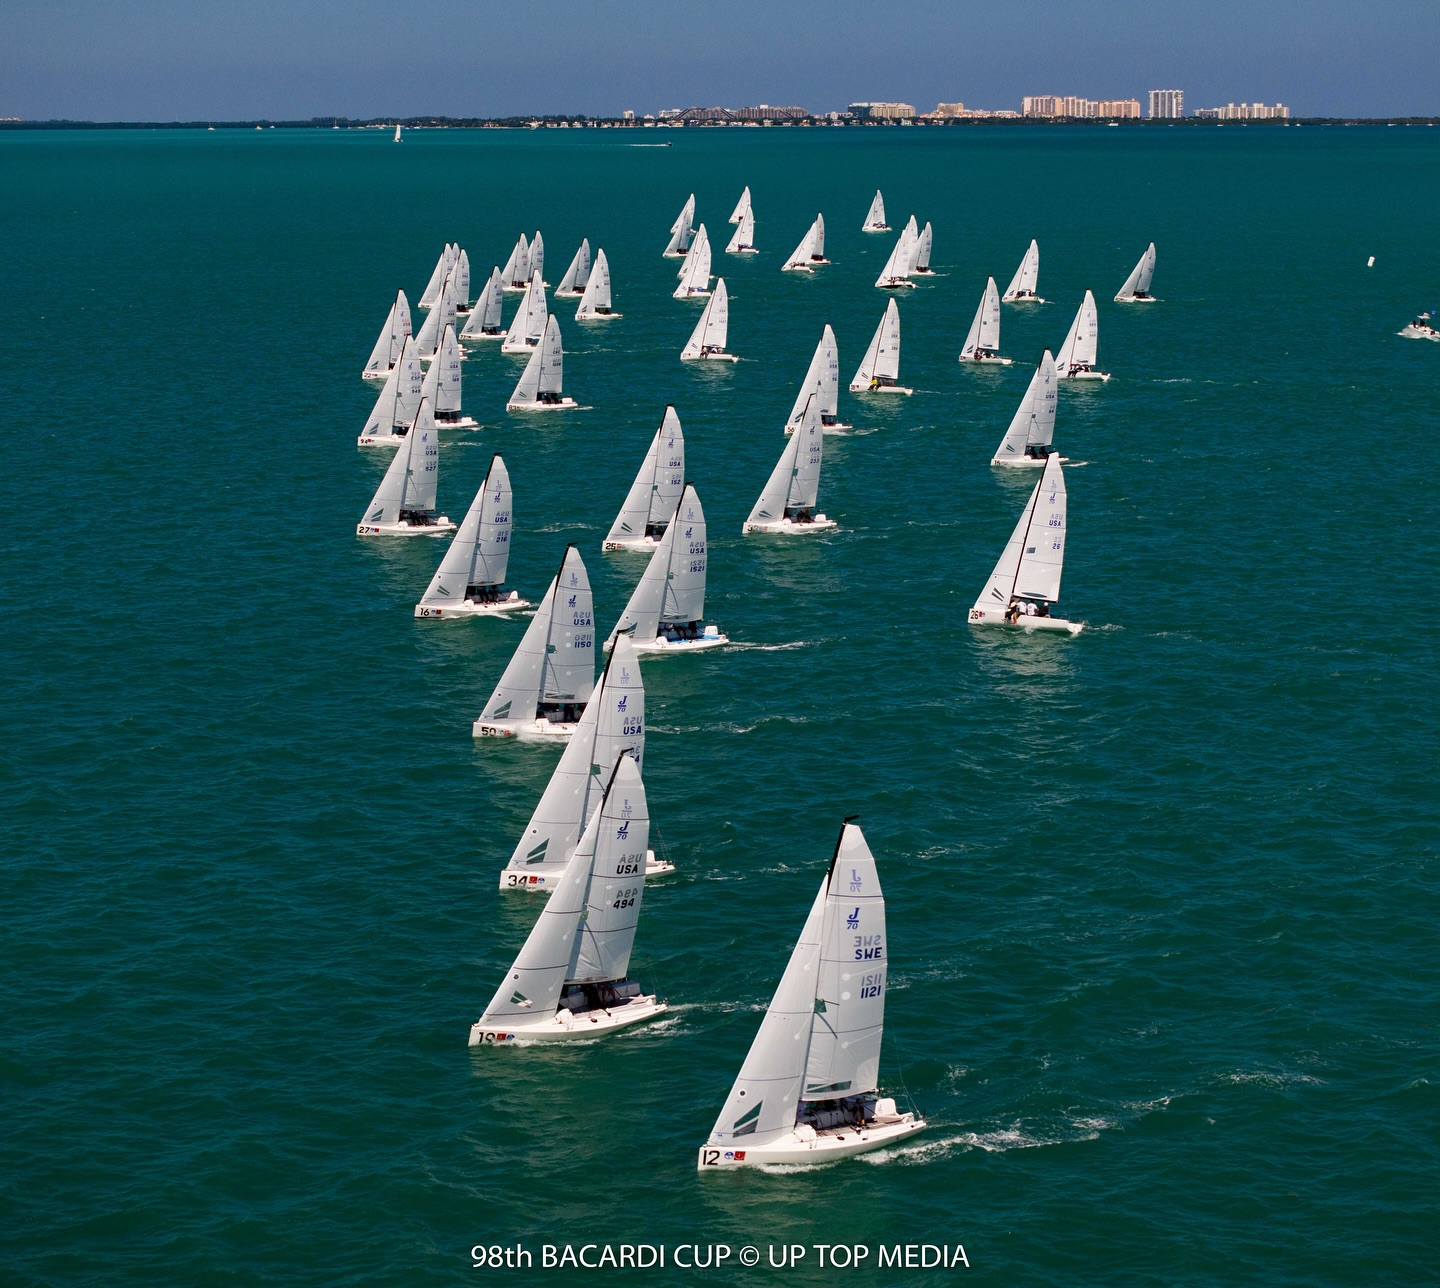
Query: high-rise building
{"points": [[1040, 105], [1166, 104], [882, 111], [1124, 108], [1244, 112]]}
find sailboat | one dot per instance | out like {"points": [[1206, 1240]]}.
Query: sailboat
{"points": [[707, 341], [442, 385], [823, 380], [1022, 286], [394, 411], [875, 217], [460, 287], [896, 272], [516, 272], [982, 341], [572, 285], [539, 386], [1137, 286], [681, 230], [920, 255], [537, 258], [441, 315], [743, 242], [695, 272], [810, 251], [484, 320], [570, 979], [397, 132], [470, 581], [404, 503], [879, 370], [443, 267], [391, 340], [1025, 586], [545, 688], [1032, 430], [666, 610], [613, 726], [742, 207], [808, 1091], [787, 504], [595, 303], [1079, 353], [653, 497], [528, 324]]}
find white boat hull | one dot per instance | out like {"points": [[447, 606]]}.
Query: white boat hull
{"points": [[1021, 299], [598, 317], [543, 882], [1136, 299], [382, 376], [691, 295], [1022, 462], [537, 730], [989, 362], [442, 527], [710, 357], [825, 1147], [996, 617], [1085, 375], [527, 347], [483, 335], [379, 440], [643, 544], [567, 1027], [876, 228], [464, 422], [661, 645], [880, 389], [565, 404], [1416, 333], [449, 612], [789, 528], [894, 283]]}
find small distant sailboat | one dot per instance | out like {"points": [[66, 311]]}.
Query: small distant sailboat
{"points": [[879, 370], [394, 411], [810, 251], [570, 979], [1419, 328], [808, 1091], [484, 320], [920, 257], [595, 303], [1137, 286], [539, 385], [397, 132], [655, 495], [528, 325], [707, 341], [875, 217], [544, 689], [404, 503], [613, 726], [896, 272], [516, 272], [1080, 352], [391, 340], [787, 505], [470, 581], [695, 271], [1032, 430], [1025, 586], [822, 379], [742, 207], [1022, 286], [743, 242], [442, 385], [667, 608], [572, 285], [444, 266], [681, 231], [982, 342]]}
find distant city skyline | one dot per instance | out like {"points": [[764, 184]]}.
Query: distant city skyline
{"points": [[169, 60]]}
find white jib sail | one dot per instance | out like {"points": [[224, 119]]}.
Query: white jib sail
{"points": [[686, 217], [882, 358], [696, 277], [800, 256], [528, 324], [573, 283], [742, 207], [984, 331], [555, 661], [485, 316], [794, 483], [1034, 421], [713, 328], [479, 554], [1034, 557], [875, 218], [911, 232], [744, 238], [413, 477], [1082, 340], [1139, 280], [443, 265], [818, 250], [596, 300], [399, 399], [672, 588], [821, 379], [650, 504], [897, 267], [920, 256], [612, 726], [1027, 276], [391, 339]]}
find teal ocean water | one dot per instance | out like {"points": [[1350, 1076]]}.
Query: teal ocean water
{"points": [[1162, 898]]}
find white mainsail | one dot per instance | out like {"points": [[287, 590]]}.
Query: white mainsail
{"points": [[1034, 557], [484, 320], [983, 338], [528, 324], [1027, 276], [822, 380], [461, 285], [920, 256], [875, 218], [398, 402], [680, 230], [1082, 341], [713, 328], [742, 207], [517, 268], [1032, 429], [438, 274], [653, 497], [537, 258], [1137, 285], [672, 589], [391, 340], [475, 563], [743, 242], [595, 303], [695, 272], [540, 383], [573, 283], [881, 363], [554, 665], [896, 272], [411, 483]]}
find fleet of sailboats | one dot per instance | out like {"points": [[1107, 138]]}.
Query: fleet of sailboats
{"points": [[655, 495], [470, 581]]}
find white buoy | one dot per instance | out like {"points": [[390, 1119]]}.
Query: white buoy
{"points": [[1370, 263]]}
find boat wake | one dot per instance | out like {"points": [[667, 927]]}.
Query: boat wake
{"points": [[919, 1151]]}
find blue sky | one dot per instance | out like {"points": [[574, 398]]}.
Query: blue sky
{"points": [[186, 59]]}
